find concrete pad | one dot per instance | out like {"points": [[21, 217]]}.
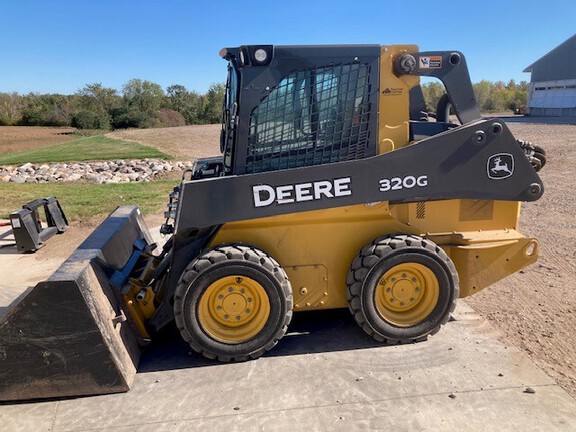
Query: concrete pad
{"points": [[19, 272], [326, 374]]}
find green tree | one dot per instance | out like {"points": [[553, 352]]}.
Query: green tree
{"points": [[212, 104], [432, 91], [141, 101], [96, 106], [143, 95], [187, 103], [95, 96], [483, 94]]}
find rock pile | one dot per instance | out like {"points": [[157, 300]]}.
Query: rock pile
{"points": [[119, 171]]}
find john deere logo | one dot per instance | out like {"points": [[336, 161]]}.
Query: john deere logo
{"points": [[500, 166]]}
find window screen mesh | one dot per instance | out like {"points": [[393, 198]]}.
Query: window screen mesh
{"points": [[313, 117]]}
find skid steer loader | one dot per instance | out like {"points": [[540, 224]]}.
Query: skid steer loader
{"points": [[335, 188]]}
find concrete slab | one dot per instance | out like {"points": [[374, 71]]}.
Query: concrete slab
{"points": [[19, 272], [326, 374]]}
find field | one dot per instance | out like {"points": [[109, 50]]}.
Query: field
{"points": [[16, 138], [83, 149], [535, 309]]}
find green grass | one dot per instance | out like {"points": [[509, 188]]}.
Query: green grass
{"points": [[84, 201], [98, 147]]}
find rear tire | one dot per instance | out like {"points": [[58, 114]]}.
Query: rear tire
{"points": [[234, 303], [402, 289]]}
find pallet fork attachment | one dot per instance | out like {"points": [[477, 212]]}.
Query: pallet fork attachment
{"points": [[27, 228]]}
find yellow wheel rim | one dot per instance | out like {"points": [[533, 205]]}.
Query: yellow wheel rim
{"points": [[234, 309], [407, 294]]}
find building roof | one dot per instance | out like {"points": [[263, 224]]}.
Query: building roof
{"points": [[570, 41]]}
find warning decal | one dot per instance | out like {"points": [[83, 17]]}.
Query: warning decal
{"points": [[431, 62]]}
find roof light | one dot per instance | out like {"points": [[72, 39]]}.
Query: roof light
{"points": [[260, 55]]}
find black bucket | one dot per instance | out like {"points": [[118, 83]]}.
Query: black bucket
{"points": [[70, 336]]}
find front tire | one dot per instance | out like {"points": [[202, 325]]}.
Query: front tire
{"points": [[234, 303], [402, 288]]}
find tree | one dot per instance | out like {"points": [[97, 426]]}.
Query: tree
{"points": [[48, 110], [432, 91], [96, 106], [212, 104], [141, 101], [11, 106], [145, 96], [187, 103], [483, 94], [95, 96]]}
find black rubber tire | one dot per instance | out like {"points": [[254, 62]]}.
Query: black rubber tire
{"points": [[225, 261], [541, 157], [443, 109], [374, 260]]}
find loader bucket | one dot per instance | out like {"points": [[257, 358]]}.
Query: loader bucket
{"points": [[69, 336]]}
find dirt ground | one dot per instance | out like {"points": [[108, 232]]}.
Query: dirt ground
{"points": [[534, 309], [184, 142], [14, 138]]}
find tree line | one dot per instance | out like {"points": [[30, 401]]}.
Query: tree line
{"points": [[491, 96], [144, 104], [140, 104]]}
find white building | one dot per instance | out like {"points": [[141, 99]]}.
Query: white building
{"points": [[552, 89]]}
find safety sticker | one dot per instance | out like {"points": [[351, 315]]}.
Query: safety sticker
{"points": [[15, 223], [431, 62]]}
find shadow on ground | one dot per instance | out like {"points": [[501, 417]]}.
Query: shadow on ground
{"points": [[309, 332]]}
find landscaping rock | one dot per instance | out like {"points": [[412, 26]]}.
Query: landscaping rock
{"points": [[118, 171]]}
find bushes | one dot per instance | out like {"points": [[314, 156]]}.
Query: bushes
{"points": [[86, 119], [47, 110]]}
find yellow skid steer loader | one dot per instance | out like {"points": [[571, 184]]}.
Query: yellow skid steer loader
{"points": [[335, 188]]}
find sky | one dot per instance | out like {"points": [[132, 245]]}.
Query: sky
{"points": [[50, 46]]}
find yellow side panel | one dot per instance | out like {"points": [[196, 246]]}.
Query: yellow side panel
{"points": [[315, 248], [458, 215], [394, 104]]}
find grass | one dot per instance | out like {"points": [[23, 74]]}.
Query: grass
{"points": [[85, 201], [98, 147]]}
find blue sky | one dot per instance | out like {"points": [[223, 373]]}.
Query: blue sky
{"points": [[51, 46]]}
